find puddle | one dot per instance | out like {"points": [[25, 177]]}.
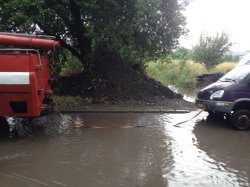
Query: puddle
{"points": [[53, 152], [187, 95]]}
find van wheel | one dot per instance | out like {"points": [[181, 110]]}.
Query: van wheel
{"points": [[241, 120]]}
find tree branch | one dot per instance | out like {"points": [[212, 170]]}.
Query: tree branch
{"points": [[62, 42], [69, 48]]}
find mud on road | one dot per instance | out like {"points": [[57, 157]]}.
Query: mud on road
{"points": [[53, 152]]}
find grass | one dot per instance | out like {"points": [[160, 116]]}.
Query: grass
{"points": [[182, 74], [224, 67], [68, 102]]}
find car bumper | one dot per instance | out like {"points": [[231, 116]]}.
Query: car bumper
{"points": [[217, 106]]}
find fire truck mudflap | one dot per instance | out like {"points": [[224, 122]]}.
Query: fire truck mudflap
{"points": [[25, 82]]}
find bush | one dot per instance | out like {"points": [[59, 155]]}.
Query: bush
{"points": [[71, 66], [179, 73], [224, 67], [68, 102], [65, 64], [181, 53]]}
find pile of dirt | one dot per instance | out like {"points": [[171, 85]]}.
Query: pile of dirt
{"points": [[111, 80], [206, 79]]}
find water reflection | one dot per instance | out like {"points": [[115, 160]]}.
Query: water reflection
{"points": [[54, 152], [228, 147], [188, 95], [194, 166], [62, 155]]}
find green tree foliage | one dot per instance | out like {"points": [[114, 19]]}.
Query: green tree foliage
{"points": [[181, 53], [135, 29], [211, 49]]}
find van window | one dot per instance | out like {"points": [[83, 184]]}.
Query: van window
{"points": [[236, 74], [244, 61]]}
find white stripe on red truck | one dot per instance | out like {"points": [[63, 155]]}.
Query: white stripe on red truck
{"points": [[14, 78]]}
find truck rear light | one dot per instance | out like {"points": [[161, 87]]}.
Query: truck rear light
{"points": [[19, 107]]}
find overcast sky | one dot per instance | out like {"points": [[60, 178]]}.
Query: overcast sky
{"points": [[211, 16]]}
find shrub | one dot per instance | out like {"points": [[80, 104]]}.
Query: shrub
{"points": [[68, 102], [178, 73], [224, 67]]}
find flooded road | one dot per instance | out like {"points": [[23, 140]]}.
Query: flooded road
{"points": [[115, 150]]}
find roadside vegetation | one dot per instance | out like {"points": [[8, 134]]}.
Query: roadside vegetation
{"points": [[68, 102], [183, 66], [182, 73], [107, 47], [178, 72]]}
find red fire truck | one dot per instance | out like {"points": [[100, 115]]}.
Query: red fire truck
{"points": [[25, 82]]}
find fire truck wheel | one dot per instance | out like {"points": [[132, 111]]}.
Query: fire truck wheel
{"points": [[4, 126]]}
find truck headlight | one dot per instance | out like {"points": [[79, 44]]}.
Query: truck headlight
{"points": [[218, 94]]}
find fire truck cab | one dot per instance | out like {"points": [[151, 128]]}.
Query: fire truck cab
{"points": [[25, 82]]}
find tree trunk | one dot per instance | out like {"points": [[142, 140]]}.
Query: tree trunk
{"points": [[78, 28]]}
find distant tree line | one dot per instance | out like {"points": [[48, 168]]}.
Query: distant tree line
{"points": [[231, 57]]}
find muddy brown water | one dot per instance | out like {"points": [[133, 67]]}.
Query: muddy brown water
{"points": [[53, 152]]}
